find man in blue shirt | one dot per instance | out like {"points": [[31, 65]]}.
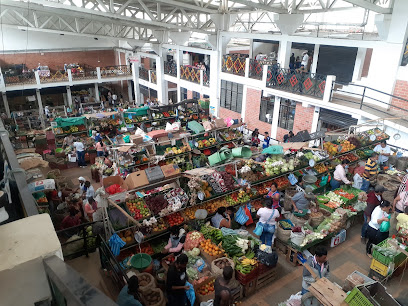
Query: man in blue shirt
{"points": [[129, 293], [266, 141]]}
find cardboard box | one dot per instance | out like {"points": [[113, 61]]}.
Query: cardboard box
{"points": [[219, 123], [157, 133], [136, 139], [171, 170], [111, 180], [207, 257], [204, 298], [136, 179]]}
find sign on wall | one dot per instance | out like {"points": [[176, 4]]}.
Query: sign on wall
{"points": [[133, 59]]}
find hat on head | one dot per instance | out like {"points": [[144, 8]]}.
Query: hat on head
{"points": [[81, 178], [380, 188]]}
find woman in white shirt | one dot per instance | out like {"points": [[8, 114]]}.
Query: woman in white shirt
{"points": [[378, 216], [267, 217], [339, 175]]}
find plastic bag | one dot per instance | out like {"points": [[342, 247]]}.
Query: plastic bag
{"points": [[248, 213], [240, 216], [190, 293], [208, 303], [268, 259], [385, 226], [358, 181]]}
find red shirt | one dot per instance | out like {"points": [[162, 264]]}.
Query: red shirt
{"points": [[70, 221], [372, 202]]}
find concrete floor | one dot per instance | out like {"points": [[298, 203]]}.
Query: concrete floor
{"points": [[344, 259]]}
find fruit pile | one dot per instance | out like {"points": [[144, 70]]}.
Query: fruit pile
{"points": [[245, 265], [349, 156], [160, 226], [208, 288], [206, 143], [145, 248], [238, 197], [257, 204], [138, 209], [350, 208], [174, 150], [282, 182], [320, 168], [174, 219], [261, 189], [207, 189], [213, 205], [126, 236], [210, 248], [331, 148], [166, 114], [347, 146], [189, 212]]}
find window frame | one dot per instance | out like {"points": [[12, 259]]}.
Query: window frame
{"points": [[285, 113], [231, 96]]}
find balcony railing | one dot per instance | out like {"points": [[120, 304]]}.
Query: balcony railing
{"points": [[206, 78], [190, 73], [234, 64], [294, 80], [143, 74], [255, 69], [84, 73], [52, 77], [170, 68], [153, 76], [20, 79], [112, 71]]}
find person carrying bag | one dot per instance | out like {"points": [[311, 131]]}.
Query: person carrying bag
{"points": [[265, 228]]}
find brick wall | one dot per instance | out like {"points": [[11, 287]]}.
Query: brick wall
{"points": [[303, 118], [253, 106], [226, 113], [146, 63], [367, 61], [56, 60], [400, 90]]}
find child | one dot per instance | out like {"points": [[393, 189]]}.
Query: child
{"points": [[266, 140]]}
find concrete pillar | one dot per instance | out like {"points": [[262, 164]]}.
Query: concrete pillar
{"points": [[135, 73], [315, 120], [40, 107], [69, 96], [69, 76], [275, 118], [251, 48], [330, 79], [244, 102], [6, 105], [161, 82], [358, 66], [316, 58], [97, 98], [130, 92], [284, 52], [179, 62]]}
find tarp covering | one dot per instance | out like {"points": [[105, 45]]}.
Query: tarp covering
{"points": [[63, 122], [100, 115], [141, 111]]}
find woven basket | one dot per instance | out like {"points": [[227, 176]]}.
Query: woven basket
{"points": [[283, 234], [388, 195], [298, 221], [315, 221], [287, 202]]}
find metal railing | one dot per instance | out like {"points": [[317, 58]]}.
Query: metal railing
{"points": [[20, 79], [255, 69], [296, 81], [190, 73], [170, 68], [112, 71], [234, 64], [85, 73], [153, 76], [368, 97], [68, 287], [58, 76], [23, 203], [143, 74]]}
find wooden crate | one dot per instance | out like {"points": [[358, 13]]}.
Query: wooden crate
{"points": [[250, 288], [237, 293], [291, 256], [281, 246], [266, 278]]}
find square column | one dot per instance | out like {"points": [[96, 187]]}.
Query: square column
{"points": [[130, 92], [358, 66], [69, 97], [135, 74], [40, 107], [97, 98], [6, 105], [315, 58], [275, 118], [285, 48]]}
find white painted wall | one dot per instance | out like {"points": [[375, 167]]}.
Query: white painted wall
{"points": [[264, 48], [25, 243], [17, 40]]}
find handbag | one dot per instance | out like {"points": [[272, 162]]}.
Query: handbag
{"points": [[259, 226], [240, 216], [385, 226]]}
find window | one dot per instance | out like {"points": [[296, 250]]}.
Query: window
{"points": [[231, 96], [183, 93], [196, 95], [287, 114], [267, 104]]}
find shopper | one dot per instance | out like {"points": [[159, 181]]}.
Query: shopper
{"points": [[339, 175], [176, 282], [287, 137], [81, 187], [71, 220], [221, 218], [319, 265], [292, 61], [80, 151], [370, 170], [176, 241], [223, 295], [274, 195], [255, 138], [129, 295], [400, 202], [299, 201], [375, 235], [68, 141], [297, 63], [266, 141], [374, 198], [305, 59], [100, 148], [267, 217], [384, 152], [47, 111], [89, 190], [90, 208]]}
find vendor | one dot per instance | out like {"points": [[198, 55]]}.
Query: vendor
{"points": [[266, 141], [339, 175], [299, 200], [384, 151], [374, 198], [379, 215], [129, 295], [320, 266], [176, 241], [89, 190], [81, 187], [222, 292], [90, 208], [68, 141], [221, 219], [370, 170], [255, 138], [176, 282], [73, 219], [231, 210], [274, 195]]}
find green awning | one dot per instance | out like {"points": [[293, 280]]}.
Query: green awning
{"points": [[63, 122]]}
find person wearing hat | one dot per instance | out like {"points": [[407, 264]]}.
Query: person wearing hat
{"points": [[374, 199], [81, 187], [339, 175]]}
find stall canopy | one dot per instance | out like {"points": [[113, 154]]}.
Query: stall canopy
{"points": [[62, 122], [141, 111], [336, 118], [100, 115]]}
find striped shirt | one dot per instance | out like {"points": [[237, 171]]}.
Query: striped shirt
{"points": [[370, 167]]}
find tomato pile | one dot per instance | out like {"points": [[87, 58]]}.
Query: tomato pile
{"points": [[207, 288], [281, 181], [349, 207], [145, 248], [174, 219], [344, 194], [351, 157]]}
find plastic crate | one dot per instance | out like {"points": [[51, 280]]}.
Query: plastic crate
{"points": [[379, 267], [154, 174], [326, 207], [287, 220], [245, 279], [386, 260], [357, 298]]}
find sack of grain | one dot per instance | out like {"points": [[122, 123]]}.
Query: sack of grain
{"points": [[218, 265], [146, 282], [283, 234]]}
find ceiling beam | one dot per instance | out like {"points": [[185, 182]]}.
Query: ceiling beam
{"points": [[370, 6], [262, 7], [187, 6]]}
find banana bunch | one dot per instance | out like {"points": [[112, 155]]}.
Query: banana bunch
{"points": [[248, 262], [244, 264]]}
